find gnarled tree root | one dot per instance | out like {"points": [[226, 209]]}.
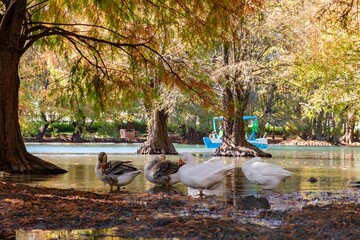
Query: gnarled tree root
{"points": [[247, 151], [149, 148]]}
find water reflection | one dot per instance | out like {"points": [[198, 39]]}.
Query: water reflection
{"points": [[333, 167], [91, 234]]}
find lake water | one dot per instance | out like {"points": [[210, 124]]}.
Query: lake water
{"points": [[333, 167]]}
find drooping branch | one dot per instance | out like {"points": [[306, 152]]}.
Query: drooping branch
{"points": [[52, 31], [77, 37], [145, 45], [36, 6], [40, 25], [6, 15], [97, 56]]}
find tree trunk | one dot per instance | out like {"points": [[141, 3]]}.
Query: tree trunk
{"points": [[79, 127], [158, 141], [234, 142], [326, 127], [349, 129], [192, 136], [41, 134], [234, 102], [317, 130], [14, 157], [337, 126]]}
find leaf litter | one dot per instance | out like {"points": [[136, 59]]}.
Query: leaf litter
{"points": [[311, 215]]}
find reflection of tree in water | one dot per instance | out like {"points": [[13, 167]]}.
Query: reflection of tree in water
{"points": [[348, 158]]}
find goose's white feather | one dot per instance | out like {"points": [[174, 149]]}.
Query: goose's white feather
{"points": [[208, 175], [267, 175]]}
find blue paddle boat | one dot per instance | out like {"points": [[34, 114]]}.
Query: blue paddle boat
{"points": [[216, 138]]}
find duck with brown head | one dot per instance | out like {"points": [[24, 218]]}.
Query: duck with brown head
{"points": [[115, 173], [161, 171]]}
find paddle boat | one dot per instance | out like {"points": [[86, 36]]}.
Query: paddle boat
{"points": [[215, 140]]}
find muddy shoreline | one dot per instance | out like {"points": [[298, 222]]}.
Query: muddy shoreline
{"points": [[167, 215]]}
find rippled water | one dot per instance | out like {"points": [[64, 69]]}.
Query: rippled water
{"points": [[333, 167]]}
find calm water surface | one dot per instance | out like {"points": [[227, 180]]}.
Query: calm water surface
{"points": [[333, 167]]}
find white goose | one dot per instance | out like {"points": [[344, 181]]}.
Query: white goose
{"points": [[115, 173], [208, 175], [161, 171], [264, 174]]}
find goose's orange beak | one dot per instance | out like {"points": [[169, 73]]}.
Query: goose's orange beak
{"points": [[181, 162]]}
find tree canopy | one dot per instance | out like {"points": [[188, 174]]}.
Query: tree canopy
{"points": [[290, 62]]}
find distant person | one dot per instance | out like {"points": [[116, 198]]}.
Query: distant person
{"points": [[213, 135], [221, 132]]}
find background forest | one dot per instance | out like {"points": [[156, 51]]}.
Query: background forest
{"points": [[299, 63]]}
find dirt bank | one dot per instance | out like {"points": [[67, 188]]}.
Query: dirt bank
{"points": [[166, 215]]}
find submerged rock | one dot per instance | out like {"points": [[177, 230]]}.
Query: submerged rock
{"points": [[312, 180], [253, 203]]}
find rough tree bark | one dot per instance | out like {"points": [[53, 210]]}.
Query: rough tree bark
{"points": [[14, 157], [158, 141], [234, 101], [234, 142]]}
